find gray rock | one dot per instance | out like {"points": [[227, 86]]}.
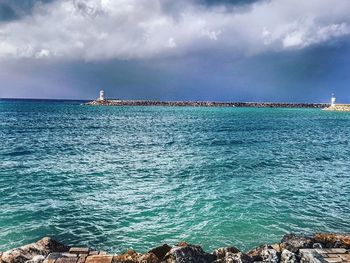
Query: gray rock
{"points": [[288, 257], [28, 252], [264, 253], [269, 255], [188, 253], [294, 242], [235, 258], [221, 252], [317, 245], [255, 253], [311, 256], [36, 259]]}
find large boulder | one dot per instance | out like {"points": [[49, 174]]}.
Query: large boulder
{"points": [[235, 258], [270, 255], [184, 252], [288, 257], [294, 242], [29, 252], [222, 252], [264, 253], [231, 255], [160, 251]]}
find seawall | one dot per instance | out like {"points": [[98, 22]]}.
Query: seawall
{"points": [[112, 102], [317, 248]]}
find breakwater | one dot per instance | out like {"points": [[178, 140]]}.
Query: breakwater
{"points": [[112, 102], [317, 248]]}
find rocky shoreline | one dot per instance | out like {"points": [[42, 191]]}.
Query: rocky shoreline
{"points": [[111, 102], [318, 248]]}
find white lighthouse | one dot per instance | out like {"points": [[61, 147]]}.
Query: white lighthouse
{"points": [[333, 99], [102, 96]]}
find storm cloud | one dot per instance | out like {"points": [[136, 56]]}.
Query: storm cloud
{"points": [[247, 50], [139, 29]]}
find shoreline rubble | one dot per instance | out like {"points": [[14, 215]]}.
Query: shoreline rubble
{"points": [[318, 248]]}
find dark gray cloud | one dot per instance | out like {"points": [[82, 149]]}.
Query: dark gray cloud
{"points": [[176, 6], [11, 10], [143, 29], [227, 2], [160, 49], [15, 9], [7, 13], [307, 75]]}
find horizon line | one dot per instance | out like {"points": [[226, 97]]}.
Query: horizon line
{"points": [[159, 100]]}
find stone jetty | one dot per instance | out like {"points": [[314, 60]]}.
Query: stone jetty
{"points": [[111, 102], [318, 248]]}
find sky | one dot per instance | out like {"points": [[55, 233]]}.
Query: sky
{"points": [[222, 50]]}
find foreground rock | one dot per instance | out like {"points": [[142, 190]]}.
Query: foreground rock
{"points": [[319, 248], [34, 252], [265, 253], [184, 252], [289, 257], [332, 240], [129, 256], [294, 242], [160, 251]]}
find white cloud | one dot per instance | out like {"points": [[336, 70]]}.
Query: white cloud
{"points": [[213, 35], [306, 36], [294, 39], [42, 53], [171, 43], [6, 49], [123, 29]]}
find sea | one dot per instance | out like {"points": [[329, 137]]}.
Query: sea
{"points": [[114, 178]]}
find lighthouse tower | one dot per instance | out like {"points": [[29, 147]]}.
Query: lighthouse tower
{"points": [[333, 100], [102, 96]]}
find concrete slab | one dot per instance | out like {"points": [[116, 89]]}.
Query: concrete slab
{"points": [[333, 260], [99, 259], [67, 260], [311, 256]]}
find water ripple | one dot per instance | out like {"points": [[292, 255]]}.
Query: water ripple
{"points": [[119, 177]]}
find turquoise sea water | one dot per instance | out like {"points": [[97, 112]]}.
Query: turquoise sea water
{"points": [[120, 177]]}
